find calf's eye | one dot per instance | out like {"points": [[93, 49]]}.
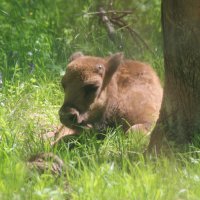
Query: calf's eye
{"points": [[90, 89]]}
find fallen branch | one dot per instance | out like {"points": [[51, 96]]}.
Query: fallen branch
{"points": [[108, 24], [132, 32], [110, 12], [112, 18]]}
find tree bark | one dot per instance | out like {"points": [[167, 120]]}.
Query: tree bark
{"points": [[179, 119]]}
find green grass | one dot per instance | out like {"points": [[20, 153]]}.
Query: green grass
{"points": [[36, 38]]}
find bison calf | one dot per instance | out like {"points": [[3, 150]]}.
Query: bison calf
{"points": [[105, 92]]}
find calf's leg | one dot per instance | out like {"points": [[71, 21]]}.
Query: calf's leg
{"points": [[144, 128]]}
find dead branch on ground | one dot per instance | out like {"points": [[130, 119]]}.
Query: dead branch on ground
{"points": [[113, 19]]}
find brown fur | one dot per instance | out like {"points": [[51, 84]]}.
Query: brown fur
{"points": [[102, 92]]}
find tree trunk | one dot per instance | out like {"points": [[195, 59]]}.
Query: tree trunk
{"points": [[179, 117]]}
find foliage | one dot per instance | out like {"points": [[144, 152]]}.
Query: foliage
{"points": [[36, 39], [40, 35]]}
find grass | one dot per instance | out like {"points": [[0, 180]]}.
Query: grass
{"points": [[31, 62]]}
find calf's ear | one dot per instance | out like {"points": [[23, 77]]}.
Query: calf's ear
{"points": [[111, 67], [75, 55]]}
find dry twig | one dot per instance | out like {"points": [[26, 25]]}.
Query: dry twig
{"points": [[113, 18]]}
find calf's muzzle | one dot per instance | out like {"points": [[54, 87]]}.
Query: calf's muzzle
{"points": [[69, 116]]}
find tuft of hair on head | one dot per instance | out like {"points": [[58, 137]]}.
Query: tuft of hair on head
{"points": [[75, 55]]}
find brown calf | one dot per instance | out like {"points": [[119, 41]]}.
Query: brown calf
{"points": [[105, 92]]}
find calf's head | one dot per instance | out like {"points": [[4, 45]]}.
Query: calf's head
{"points": [[85, 86]]}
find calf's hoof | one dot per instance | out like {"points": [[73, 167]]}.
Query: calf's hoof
{"points": [[140, 128]]}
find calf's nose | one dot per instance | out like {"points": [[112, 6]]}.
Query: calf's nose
{"points": [[72, 118], [69, 116]]}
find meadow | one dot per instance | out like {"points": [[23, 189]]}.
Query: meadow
{"points": [[36, 40]]}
